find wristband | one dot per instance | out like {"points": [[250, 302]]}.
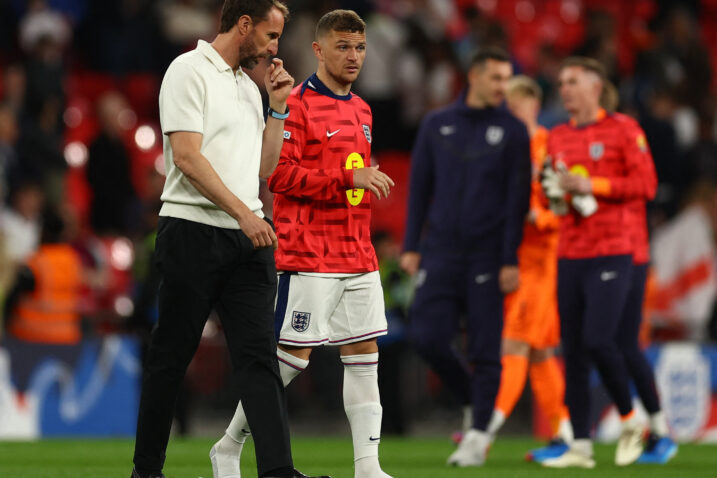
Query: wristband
{"points": [[275, 114]]}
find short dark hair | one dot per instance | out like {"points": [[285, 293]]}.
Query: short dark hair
{"points": [[340, 21], [489, 53], [258, 10]]}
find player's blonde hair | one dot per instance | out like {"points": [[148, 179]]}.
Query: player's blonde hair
{"points": [[609, 98], [525, 86]]}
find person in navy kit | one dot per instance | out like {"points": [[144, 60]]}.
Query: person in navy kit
{"points": [[469, 195]]}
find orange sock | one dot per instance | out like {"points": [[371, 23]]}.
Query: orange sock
{"points": [[512, 382], [629, 416], [548, 384]]}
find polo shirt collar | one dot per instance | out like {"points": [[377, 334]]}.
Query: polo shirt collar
{"points": [[213, 56]]}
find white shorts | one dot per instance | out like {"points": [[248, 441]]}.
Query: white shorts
{"points": [[312, 311]]}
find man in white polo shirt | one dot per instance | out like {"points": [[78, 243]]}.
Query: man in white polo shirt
{"points": [[214, 246]]}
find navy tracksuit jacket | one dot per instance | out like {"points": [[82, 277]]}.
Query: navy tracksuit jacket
{"points": [[469, 195]]}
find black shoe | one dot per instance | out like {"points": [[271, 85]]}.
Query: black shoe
{"points": [[297, 474], [156, 474]]}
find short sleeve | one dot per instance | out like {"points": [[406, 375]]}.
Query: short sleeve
{"points": [[181, 100]]}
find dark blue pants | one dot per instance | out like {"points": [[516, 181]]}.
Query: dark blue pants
{"points": [[449, 288], [591, 300], [637, 365]]}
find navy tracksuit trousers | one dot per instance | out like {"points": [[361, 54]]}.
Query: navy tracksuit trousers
{"points": [[591, 299], [628, 341], [449, 287]]}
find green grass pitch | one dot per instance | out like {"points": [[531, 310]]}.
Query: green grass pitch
{"points": [[410, 457]]}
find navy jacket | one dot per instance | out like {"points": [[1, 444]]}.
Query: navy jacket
{"points": [[470, 184]]}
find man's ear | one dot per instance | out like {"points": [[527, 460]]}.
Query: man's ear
{"points": [[244, 24], [317, 51]]}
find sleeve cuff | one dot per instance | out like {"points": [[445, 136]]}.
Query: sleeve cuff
{"points": [[510, 259], [601, 186], [544, 219]]}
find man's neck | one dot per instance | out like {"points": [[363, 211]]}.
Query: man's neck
{"points": [[225, 45], [586, 116], [532, 128], [473, 101], [336, 88]]}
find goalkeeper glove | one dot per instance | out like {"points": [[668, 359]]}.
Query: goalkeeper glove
{"points": [[584, 204], [550, 182]]}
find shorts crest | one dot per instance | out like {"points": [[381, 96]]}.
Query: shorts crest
{"points": [[300, 320]]}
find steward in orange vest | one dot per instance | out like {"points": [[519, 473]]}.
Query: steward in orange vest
{"points": [[49, 311]]}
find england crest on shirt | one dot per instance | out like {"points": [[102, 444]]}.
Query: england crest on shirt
{"points": [[300, 320], [367, 132], [494, 135], [596, 151]]}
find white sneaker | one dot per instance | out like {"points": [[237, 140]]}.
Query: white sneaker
{"points": [[572, 458], [224, 465], [630, 444], [472, 450]]}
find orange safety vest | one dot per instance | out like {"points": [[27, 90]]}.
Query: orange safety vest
{"points": [[50, 313]]}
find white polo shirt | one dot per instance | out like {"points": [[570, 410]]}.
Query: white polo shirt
{"points": [[200, 93]]}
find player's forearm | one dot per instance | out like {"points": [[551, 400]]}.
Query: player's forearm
{"points": [[292, 180], [272, 141], [199, 172], [623, 188]]}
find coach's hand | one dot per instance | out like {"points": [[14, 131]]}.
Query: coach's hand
{"points": [[278, 84], [258, 231], [410, 262], [508, 279], [374, 180]]}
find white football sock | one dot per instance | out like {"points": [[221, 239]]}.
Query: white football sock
{"points": [[583, 445], [363, 409], [658, 424], [238, 429], [497, 419], [565, 430], [467, 417]]}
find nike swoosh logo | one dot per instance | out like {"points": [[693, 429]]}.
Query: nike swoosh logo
{"points": [[374, 439], [447, 130], [608, 275], [482, 278], [328, 135]]}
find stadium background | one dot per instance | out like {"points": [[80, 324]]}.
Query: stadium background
{"points": [[75, 74]]}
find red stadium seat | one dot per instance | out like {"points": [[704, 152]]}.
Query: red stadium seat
{"points": [[388, 214]]}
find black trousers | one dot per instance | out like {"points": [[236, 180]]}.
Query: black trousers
{"points": [[204, 268]]}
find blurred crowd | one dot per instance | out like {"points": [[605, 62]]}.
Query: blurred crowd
{"points": [[81, 167]]}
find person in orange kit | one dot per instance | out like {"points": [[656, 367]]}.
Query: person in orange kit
{"points": [[531, 328], [47, 306]]}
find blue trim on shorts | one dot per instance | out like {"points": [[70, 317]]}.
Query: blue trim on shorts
{"points": [[282, 301]]}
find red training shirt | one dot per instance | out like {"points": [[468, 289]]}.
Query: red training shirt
{"points": [[613, 152], [323, 225]]}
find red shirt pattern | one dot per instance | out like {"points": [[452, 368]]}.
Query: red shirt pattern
{"points": [[613, 152], [322, 223]]}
